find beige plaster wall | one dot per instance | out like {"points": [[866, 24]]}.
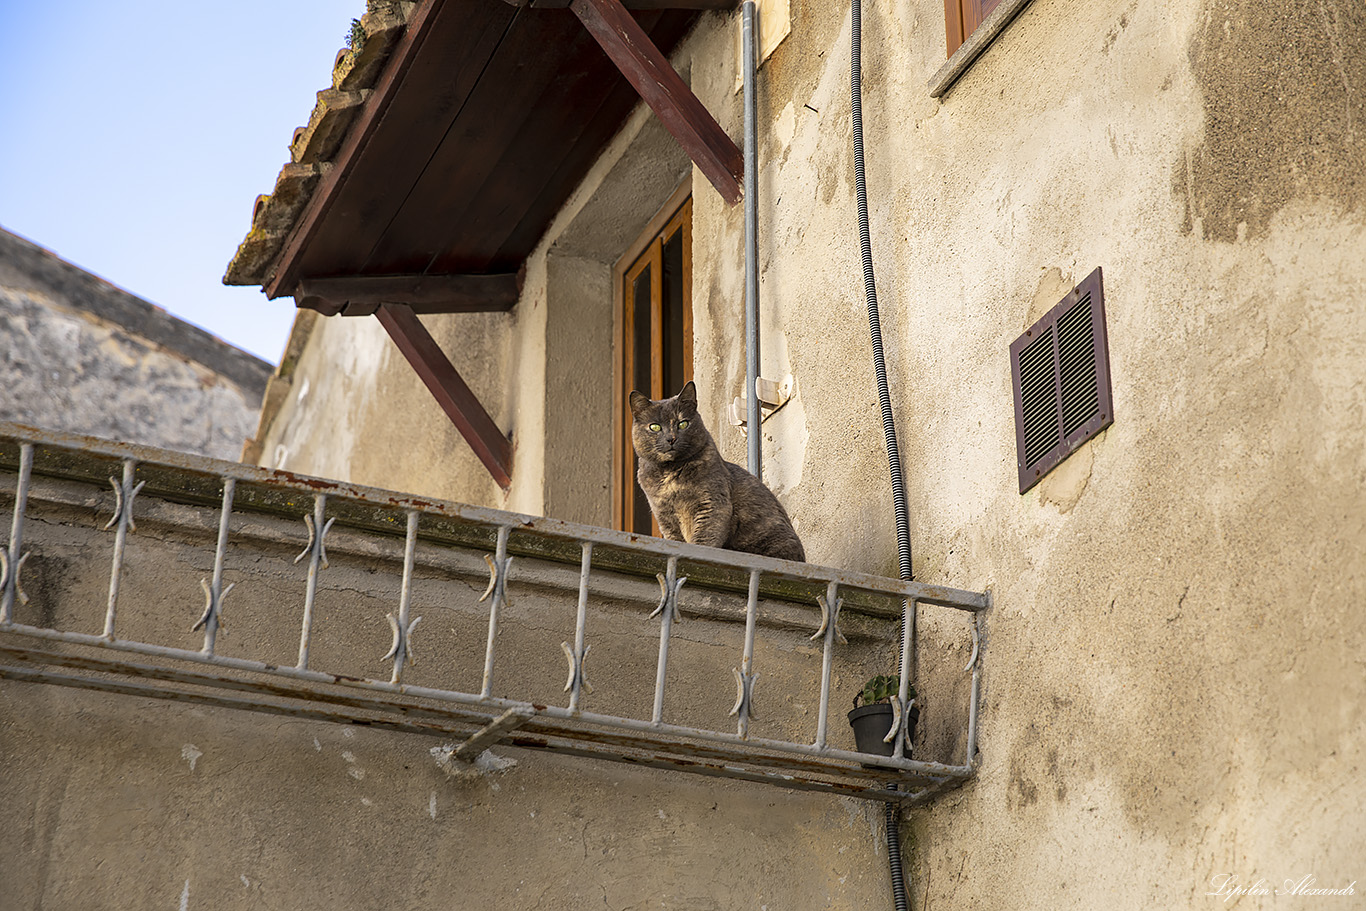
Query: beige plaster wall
{"points": [[1174, 682], [1174, 686], [353, 409]]}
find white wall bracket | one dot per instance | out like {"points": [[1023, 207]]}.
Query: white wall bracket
{"points": [[773, 395]]}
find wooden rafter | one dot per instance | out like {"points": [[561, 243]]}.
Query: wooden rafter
{"points": [[361, 295], [650, 72], [451, 393]]}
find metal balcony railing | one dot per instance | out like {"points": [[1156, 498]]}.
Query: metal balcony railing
{"points": [[145, 632]]}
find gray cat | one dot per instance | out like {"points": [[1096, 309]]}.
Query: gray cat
{"points": [[696, 495]]}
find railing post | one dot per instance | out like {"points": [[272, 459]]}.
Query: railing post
{"points": [[975, 663], [498, 578], [830, 615], [402, 649], [577, 682], [902, 738], [744, 675], [214, 591], [123, 515], [316, 552], [9, 573], [669, 584]]}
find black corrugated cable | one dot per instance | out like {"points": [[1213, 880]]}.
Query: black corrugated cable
{"points": [[903, 527]]}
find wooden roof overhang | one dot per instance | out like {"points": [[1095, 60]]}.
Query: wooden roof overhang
{"points": [[484, 117]]}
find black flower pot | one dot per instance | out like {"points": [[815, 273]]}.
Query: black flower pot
{"points": [[871, 724]]}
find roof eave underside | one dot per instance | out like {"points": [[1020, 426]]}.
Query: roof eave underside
{"points": [[470, 125]]}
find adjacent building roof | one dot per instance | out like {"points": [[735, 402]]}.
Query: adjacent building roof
{"points": [[27, 267]]}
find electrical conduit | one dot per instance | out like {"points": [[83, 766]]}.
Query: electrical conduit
{"points": [[903, 528]]}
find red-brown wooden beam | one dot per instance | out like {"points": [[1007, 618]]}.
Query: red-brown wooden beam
{"points": [[661, 88], [361, 295], [455, 398]]}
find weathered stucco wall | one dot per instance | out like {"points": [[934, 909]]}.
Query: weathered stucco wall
{"points": [[1175, 687], [84, 356]]}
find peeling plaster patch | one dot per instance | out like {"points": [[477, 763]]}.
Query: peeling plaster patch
{"points": [[786, 127], [431, 806], [1053, 287], [786, 436], [357, 774], [483, 764], [246, 882], [1065, 484], [191, 753], [185, 896], [316, 745]]}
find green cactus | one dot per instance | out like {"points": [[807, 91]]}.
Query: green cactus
{"points": [[881, 689]]}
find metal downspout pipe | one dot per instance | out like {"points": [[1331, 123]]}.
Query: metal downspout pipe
{"points": [[752, 417]]}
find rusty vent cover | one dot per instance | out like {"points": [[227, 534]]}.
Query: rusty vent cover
{"points": [[1060, 369]]}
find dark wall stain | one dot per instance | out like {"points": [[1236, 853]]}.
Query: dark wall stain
{"points": [[1284, 88]]}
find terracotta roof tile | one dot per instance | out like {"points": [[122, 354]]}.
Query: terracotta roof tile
{"points": [[354, 72]]}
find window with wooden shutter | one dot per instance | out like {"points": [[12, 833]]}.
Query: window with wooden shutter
{"points": [[654, 343], [970, 27], [1060, 370], [962, 17]]}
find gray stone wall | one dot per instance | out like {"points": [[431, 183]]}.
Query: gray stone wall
{"points": [[80, 355]]}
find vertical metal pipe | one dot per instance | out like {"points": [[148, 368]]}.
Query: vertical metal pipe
{"points": [[666, 625], [211, 622], [126, 495], [580, 625], [16, 532], [751, 151], [311, 593], [404, 599], [827, 659], [747, 662], [500, 561]]}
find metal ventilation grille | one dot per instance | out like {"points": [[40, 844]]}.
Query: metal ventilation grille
{"points": [[1077, 364], [1039, 388], [1061, 373]]}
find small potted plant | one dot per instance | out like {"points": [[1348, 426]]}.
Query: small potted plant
{"points": [[873, 719]]}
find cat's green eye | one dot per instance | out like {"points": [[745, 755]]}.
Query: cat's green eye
{"points": [[682, 424], [655, 427]]}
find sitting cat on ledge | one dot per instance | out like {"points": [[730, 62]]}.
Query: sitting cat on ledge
{"points": [[696, 495]]}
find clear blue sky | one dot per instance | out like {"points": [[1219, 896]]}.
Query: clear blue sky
{"points": [[136, 134]]}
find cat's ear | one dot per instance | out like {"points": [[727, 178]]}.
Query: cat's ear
{"points": [[689, 394], [639, 402]]}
